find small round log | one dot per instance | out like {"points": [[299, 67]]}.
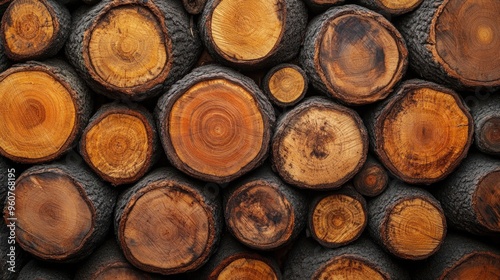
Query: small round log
{"points": [[34, 29], [487, 124], [372, 179], [353, 54], [47, 108], [285, 84], [319, 145]]}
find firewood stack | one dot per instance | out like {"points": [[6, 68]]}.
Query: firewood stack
{"points": [[250, 139]]}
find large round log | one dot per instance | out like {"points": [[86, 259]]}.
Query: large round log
{"points": [[120, 143], [337, 218], [253, 34], [471, 195], [215, 124], [359, 260], [34, 29], [407, 221], [167, 223], [461, 257], [263, 212], [353, 54], [46, 107], [133, 49], [232, 261], [455, 42], [422, 132], [319, 144], [486, 115], [63, 211]]}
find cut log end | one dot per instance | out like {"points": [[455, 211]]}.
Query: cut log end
{"points": [[347, 267], [400, 5], [319, 145], [423, 135], [474, 61], [42, 121], [245, 267], [260, 216], [480, 265], [31, 29], [285, 84], [338, 219], [486, 201], [371, 180], [352, 64], [47, 204], [243, 37], [414, 229], [126, 50], [489, 135], [119, 145]]}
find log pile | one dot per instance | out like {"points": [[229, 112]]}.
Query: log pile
{"points": [[250, 139]]}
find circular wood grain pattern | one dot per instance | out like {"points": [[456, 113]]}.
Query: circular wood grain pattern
{"points": [[287, 85], [467, 38], [213, 122], [127, 48], [260, 216], [489, 134], [338, 219], [414, 228], [28, 27], [247, 268], [475, 266], [48, 204], [344, 268], [166, 228], [246, 30], [39, 116], [425, 134], [486, 201], [371, 180]]}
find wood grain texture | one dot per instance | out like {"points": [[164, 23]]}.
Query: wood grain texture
{"points": [[372, 179], [285, 84], [391, 7]]}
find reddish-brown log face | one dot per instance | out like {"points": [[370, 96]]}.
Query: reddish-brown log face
{"points": [[54, 220], [466, 34], [348, 268], [127, 50], [245, 268], [490, 134], [39, 116], [414, 228], [216, 128], [486, 201], [476, 266], [260, 216], [120, 271]]}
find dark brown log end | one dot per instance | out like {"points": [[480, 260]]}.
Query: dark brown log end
{"points": [[48, 108], [338, 218], [372, 179], [319, 145], [346, 60], [34, 29], [285, 84], [215, 124], [119, 143], [423, 132], [194, 7], [489, 135], [486, 201], [166, 224]]}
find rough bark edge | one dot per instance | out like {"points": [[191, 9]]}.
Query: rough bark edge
{"points": [[4, 62], [283, 126], [308, 58], [456, 249], [194, 7], [457, 193], [181, 39], [347, 190], [377, 115], [130, 110], [64, 74], [99, 197], [380, 208], [317, 8], [297, 200], [418, 30], [483, 110], [379, 7], [270, 95], [286, 48], [198, 75], [168, 177], [308, 257], [61, 20]]}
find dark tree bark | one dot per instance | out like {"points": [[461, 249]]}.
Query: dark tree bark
{"points": [[42, 271], [487, 124], [391, 7]]}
